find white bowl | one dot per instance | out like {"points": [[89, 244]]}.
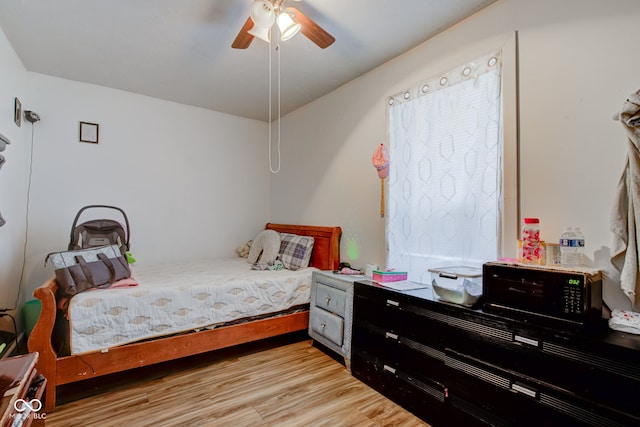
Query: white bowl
{"points": [[467, 294]]}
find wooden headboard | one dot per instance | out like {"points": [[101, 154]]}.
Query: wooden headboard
{"points": [[326, 247]]}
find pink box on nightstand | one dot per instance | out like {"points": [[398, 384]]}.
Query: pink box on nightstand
{"points": [[389, 276]]}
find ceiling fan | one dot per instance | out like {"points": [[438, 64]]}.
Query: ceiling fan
{"points": [[263, 14]]}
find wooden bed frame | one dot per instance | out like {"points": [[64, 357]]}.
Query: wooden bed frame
{"points": [[69, 369]]}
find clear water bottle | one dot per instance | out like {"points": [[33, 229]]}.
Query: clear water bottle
{"points": [[571, 246], [579, 246], [566, 250]]}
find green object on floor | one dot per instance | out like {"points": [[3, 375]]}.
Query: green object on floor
{"points": [[30, 313]]}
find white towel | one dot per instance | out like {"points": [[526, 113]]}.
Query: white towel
{"points": [[625, 216], [625, 321]]}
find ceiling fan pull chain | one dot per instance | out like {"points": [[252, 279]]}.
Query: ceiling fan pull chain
{"points": [[270, 107], [279, 110], [270, 54]]}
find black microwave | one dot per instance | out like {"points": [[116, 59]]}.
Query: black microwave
{"points": [[543, 294]]}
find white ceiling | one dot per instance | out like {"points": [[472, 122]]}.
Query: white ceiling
{"points": [[180, 50]]}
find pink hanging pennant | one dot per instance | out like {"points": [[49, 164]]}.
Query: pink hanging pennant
{"points": [[380, 160]]}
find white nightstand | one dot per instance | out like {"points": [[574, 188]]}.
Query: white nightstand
{"points": [[331, 312]]}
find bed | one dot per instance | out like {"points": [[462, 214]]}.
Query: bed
{"points": [[59, 369]]}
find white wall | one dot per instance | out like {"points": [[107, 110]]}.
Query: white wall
{"points": [[13, 176], [577, 66], [193, 182]]}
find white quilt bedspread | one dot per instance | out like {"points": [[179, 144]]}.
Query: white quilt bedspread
{"points": [[174, 298]]}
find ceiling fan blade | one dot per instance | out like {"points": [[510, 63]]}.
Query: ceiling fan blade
{"points": [[313, 31], [244, 39]]}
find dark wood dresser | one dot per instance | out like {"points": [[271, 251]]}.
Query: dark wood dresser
{"points": [[451, 365]]}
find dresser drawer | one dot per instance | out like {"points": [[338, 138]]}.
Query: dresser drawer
{"points": [[430, 400], [328, 325], [331, 299]]}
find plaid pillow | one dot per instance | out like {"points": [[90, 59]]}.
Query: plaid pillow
{"points": [[295, 251]]}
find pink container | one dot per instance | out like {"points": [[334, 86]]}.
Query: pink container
{"points": [[389, 276], [531, 241]]}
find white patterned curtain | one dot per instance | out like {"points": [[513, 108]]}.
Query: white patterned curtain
{"points": [[445, 147]]}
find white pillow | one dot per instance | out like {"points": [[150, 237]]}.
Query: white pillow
{"points": [[265, 247]]}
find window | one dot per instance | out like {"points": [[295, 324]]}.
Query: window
{"points": [[445, 186]]}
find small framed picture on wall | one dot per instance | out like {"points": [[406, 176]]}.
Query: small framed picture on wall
{"points": [[17, 112], [89, 132]]}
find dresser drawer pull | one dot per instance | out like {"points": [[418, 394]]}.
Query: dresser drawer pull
{"points": [[328, 300], [393, 303], [323, 325], [520, 388], [391, 335], [389, 369], [525, 340]]}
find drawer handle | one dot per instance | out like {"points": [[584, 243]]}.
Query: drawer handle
{"points": [[521, 388], [328, 300], [393, 303], [389, 369], [323, 325], [391, 335], [526, 340]]}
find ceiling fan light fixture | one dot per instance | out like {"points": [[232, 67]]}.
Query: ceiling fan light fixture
{"points": [[262, 14], [288, 28], [260, 32]]}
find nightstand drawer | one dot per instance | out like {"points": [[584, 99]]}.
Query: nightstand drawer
{"points": [[328, 325], [331, 299]]}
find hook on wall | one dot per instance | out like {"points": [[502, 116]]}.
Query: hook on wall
{"points": [[4, 141], [31, 116]]}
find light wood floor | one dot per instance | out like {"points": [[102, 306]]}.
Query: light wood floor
{"points": [[272, 383]]}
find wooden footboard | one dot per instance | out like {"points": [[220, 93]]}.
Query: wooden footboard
{"points": [[40, 339], [69, 369]]}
